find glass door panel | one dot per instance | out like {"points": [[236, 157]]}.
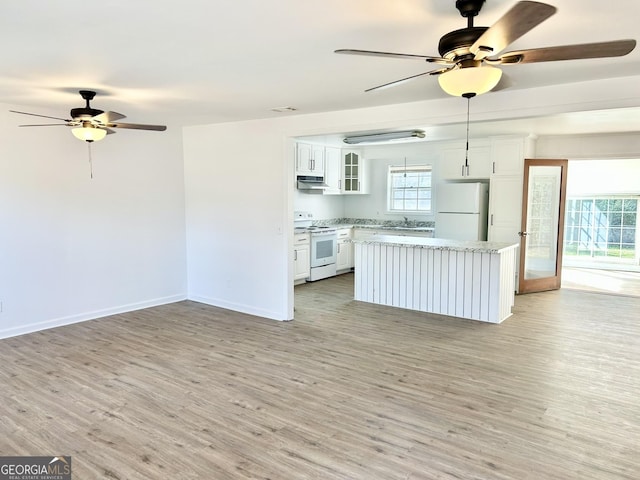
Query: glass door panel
{"points": [[543, 224]]}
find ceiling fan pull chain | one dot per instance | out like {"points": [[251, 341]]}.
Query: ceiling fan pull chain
{"points": [[468, 96], [90, 161]]}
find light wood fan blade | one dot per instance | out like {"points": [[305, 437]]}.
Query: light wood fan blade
{"points": [[137, 126], [373, 53], [38, 115], [617, 48], [523, 17], [108, 117], [403, 80]]}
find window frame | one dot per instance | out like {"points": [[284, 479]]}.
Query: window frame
{"points": [[401, 170]]}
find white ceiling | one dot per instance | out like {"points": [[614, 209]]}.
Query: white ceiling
{"points": [[196, 61]]}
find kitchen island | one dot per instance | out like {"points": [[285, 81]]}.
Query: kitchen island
{"points": [[474, 280]]}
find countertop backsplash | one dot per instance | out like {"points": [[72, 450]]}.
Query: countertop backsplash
{"points": [[380, 223]]}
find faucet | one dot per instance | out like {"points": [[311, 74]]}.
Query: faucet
{"points": [[406, 221]]}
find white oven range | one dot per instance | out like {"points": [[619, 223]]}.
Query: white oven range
{"points": [[323, 248], [324, 241]]}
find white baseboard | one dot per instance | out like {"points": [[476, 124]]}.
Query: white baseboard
{"points": [[236, 307], [83, 317]]}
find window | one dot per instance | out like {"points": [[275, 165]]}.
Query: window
{"points": [[601, 226], [409, 188]]}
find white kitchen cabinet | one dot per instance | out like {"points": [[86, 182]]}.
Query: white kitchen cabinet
{"points": [[333, 170], [452, 162], [344, 261], [353, 173], [508, 154], [309, 159], [301, 256], [505, 208]]}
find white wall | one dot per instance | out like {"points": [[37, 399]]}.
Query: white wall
{"points": [[249, 267], [74, 248], [604, 177], [323, 207]]}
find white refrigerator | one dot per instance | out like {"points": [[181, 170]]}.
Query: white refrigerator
{"points": [[461, 211]]}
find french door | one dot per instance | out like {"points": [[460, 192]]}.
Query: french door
{"points": [[541, 233]]}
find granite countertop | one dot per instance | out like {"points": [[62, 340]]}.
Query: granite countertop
{"points": [[438, 244], [402, 228]]}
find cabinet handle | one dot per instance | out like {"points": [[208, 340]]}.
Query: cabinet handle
{"points": [[493, 167], [492, 219], [467, 169], [295, 255], [339, 184], [462, 171], [338, 248]]}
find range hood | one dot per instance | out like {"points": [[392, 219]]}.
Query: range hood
{"points": [[307, 182]]}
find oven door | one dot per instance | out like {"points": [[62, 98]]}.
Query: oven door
{"points": [[323, 248]]}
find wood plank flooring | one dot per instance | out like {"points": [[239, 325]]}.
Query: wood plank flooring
{"points": [[348, 390]]}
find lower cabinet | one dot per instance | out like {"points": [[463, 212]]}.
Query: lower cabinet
{"points": [[301, 257], [344, 260]]}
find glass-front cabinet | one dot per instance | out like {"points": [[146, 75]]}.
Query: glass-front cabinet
{"points": [[353, 172]]}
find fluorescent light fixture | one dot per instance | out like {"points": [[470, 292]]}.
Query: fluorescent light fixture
{"points": [[89, 133], [466, 80], [384, 137]]}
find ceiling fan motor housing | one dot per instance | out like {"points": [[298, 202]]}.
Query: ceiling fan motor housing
{"points": [[86, 112], [457, 43]]}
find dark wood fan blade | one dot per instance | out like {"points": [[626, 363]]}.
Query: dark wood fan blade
{"points": [[403, 80], [523, 17], [138, 126], [108, 117], [617, 48], [372, 53], [38, 115]]}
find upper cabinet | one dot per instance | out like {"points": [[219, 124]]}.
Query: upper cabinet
{"points": [[309, 159], [353, 172], [345, 172], [454, 155], [333, 170], [508, 154]]}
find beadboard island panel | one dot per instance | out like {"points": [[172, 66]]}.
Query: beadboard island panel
{"points": [[473, 280]]}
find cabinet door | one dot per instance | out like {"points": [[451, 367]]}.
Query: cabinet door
{"points": [[333, 170], [353, 172], [302, 262], [343, 258], [317, 160], [452, 163], [507, 156], [303, 159], [505, 208]]}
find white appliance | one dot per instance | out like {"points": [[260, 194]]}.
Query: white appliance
{"points": [[323, 249], [461, 211]]}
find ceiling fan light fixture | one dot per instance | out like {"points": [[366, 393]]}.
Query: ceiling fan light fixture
{"points": [[476, 80], [89, 133]]}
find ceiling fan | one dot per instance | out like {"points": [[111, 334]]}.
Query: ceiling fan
{"points": [[468, 55], [90, 124]]}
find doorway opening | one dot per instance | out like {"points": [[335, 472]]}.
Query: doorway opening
{"points": [[601, 237]]}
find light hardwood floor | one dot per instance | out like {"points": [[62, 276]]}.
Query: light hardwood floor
{"points": [[347, 391]]}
